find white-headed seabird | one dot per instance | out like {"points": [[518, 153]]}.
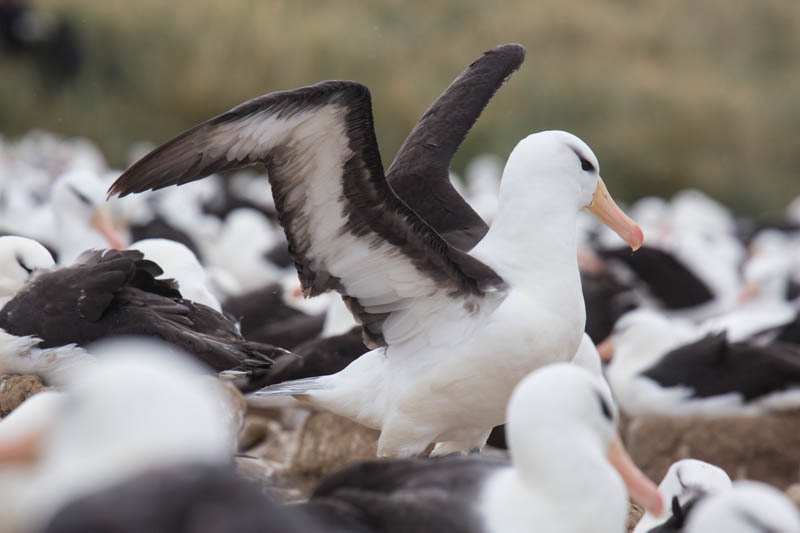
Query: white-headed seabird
{"points": [[109, 293], [452, 331]]}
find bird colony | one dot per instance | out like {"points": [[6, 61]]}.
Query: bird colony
{"points": [[490, 341]]}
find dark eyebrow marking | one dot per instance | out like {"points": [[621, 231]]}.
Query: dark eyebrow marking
{"points": [[82, 197], [22, 264], [604, 406], [678, 475], [585, 164]]}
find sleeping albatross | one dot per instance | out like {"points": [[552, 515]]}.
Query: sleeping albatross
{"points": [[452, 331], [108, 293]]}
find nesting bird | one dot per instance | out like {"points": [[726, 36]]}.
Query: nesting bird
{"points": [[671, 368], [108, 293]]}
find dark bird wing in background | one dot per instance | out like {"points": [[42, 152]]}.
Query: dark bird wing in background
{"points": [[714, 366], [666, 277]]}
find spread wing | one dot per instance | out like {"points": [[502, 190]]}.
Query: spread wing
{"points": [[347, 230], [420, 173]]}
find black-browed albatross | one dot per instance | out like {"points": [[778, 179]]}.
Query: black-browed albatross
{"points": [[661, 367], [453, 332], [420, 176], [108, 293]]}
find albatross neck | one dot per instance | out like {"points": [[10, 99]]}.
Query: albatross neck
{"points": [[534, 230], [547, 479]]}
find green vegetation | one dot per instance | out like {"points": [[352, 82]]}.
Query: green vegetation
{"points": [[669, 94]]}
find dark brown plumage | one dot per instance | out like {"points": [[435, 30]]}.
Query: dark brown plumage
{"points": [[318, 357], [714, 366], [667, 278], [185, 498], [420, 172], [109, 293], [263, 316], [403, 496]]}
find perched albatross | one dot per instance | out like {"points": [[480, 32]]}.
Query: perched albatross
{"points": [[661, 367], [108, 293], [453, 332], [566, 474], [20, 260]]}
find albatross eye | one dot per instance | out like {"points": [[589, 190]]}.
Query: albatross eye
{"points": [[585, 165], [605, 408], [82, 197], [21, 263]]}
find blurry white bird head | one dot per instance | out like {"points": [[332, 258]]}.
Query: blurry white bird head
{"points": [[78, 198], [685, 480], [766, 276], [566, 400], [564, 167], [143, 405], [642, 336], [19, 259], [149, 398]]}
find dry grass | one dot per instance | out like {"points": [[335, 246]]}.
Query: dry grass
{"points": [[669, 94]]}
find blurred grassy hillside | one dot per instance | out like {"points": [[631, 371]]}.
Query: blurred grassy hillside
{"points": [[668, 94]]}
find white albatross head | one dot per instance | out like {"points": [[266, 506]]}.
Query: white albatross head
{"points": [[78, 199], [560, 167], [19, 259], [641, 336]]}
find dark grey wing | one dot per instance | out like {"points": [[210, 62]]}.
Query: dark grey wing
{"points": [[174, 498], [346, 229], [408, 495], [199, 330], [672, 282], [713, 366], [67, 305], [115, 292], [420, 173], [318, 357]]}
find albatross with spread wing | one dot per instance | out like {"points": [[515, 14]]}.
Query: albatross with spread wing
{"points": [[453, 331]]}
